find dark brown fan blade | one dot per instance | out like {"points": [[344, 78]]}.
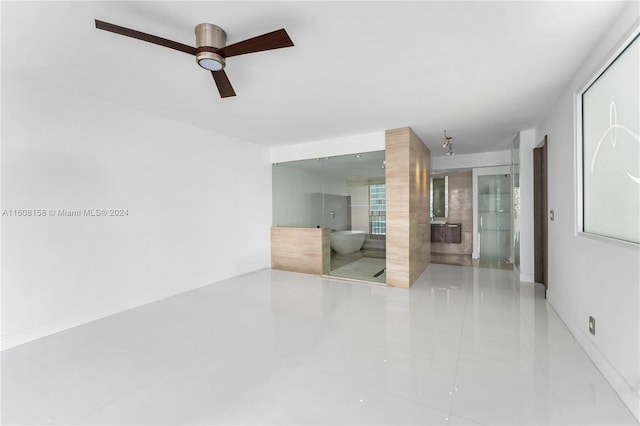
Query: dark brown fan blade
{"points": [[223, 83], [101, 25], [273, 40]]}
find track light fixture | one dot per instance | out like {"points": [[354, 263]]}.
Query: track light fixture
{"points": [[447, 140], [448, 144]]}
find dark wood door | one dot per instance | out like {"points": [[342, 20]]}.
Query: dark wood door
{"points": [[540, 214]]}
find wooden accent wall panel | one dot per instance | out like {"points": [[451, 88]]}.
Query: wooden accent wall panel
{"points": [[408, 225], [460, 211], [420, 240], [397, 189], [305, 250]]}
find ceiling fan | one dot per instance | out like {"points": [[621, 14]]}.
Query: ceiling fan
{"points": [[211, 51]]}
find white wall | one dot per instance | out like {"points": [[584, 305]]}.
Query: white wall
{"points": [[528, 141], [366, 142], [592, 276], [199, 209], [515, 214], [469, 161]]}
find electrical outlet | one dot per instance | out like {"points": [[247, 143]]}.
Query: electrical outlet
{"points": [[592, 325]]}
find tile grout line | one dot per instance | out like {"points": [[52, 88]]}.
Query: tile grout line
{"points": [[455, 380]]}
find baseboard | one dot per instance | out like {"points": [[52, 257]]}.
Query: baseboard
{"points": [[551, 300], [530, 278], [516, 271], [625, 391], [21, 337]]}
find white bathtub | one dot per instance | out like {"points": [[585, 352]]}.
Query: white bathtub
{"points": [[345, 242]]}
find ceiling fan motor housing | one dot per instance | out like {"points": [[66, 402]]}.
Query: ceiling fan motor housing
{"points": [[209, 35]]}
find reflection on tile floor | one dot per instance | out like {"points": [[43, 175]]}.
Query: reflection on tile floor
{"points": [[466, 260], [463, 346], [451, 259]]}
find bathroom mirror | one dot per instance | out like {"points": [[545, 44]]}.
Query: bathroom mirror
{"points": [[439, 196]]}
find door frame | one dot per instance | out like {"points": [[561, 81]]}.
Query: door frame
{"points": [[540, 214]]}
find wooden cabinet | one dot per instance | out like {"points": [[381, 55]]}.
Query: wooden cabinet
{"points": [[437, 233], [453, 233], [450, 233]]}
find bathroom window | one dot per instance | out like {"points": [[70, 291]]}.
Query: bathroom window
{"points": [[377, 209]]}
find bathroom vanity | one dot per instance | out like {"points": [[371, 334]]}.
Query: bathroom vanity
{"points": [[446, 233]]}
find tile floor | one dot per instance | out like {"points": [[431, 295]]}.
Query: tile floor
{"points": [[463, 346], [339, 260], [369, 269]]}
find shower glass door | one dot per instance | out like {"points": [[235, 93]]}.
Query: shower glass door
{"points": [[494, 215]]}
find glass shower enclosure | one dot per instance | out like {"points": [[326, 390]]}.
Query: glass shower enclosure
{"points": [[494, 215], [345, 194]]}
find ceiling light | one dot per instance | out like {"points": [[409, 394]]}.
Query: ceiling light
{"points": [[448, 144], [358, 155], [210, 61]]}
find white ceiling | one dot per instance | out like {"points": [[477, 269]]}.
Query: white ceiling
{"points": [[481, 70]]}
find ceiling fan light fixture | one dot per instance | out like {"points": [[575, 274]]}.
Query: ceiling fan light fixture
{"points": [[210, 61]]}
